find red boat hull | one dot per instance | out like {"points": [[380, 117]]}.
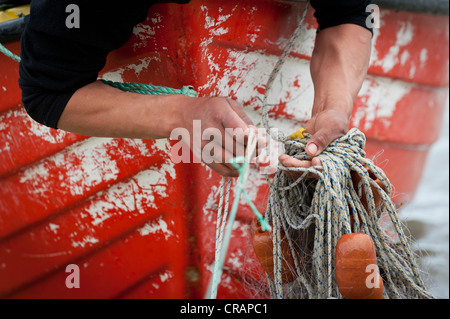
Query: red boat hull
{"points": [[139, 226]]}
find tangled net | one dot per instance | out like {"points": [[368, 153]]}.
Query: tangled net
{"points": [[311, 214]]}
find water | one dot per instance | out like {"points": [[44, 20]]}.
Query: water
{"points": [[427, 216]]}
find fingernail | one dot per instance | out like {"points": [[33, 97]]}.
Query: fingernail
{"points": [[311, 149]]}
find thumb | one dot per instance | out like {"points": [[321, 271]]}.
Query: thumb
{"points": [[320, 141]]}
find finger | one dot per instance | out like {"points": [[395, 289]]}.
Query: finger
{"points": [[235, 141], [237, 107], [289, 161], [316, 162], [224, 170]]}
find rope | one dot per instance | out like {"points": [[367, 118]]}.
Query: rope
{"points": [[9, 54], [224, 223], [331, 201], [326, 205], [151, 89]]}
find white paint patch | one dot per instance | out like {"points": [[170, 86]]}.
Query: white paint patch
{"points": [[53, 227], [403, 38], [98, 212], [37, 130], [214, 24], [143, 31], [157, 226], [137, 194], [211, 206], [219, 31], [166, 275], [93, 166], [380, 96], [423, 57], [405, 57], [117, 75], [88, 240], [236, 259]]}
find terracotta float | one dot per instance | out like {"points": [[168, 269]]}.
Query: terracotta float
{"points": [[263, 246], [356, 262]]}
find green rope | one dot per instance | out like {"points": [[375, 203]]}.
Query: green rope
{"points": [[241, 164], [151, 89], [9, 54]]}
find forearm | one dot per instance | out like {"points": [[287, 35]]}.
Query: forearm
{"points": [[102, 111], [338, 66]]}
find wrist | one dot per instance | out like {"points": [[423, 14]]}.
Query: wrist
{"points": [[340, 102], [160, 115]]}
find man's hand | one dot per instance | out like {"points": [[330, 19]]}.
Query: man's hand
{"points": [[325, 127], [338, 67], [225, 118]]}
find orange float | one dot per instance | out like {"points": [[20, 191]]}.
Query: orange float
{"points": [[263, 245], [356, 262]]}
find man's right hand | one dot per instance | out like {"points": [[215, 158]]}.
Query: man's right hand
{"points": [[220, 117]]}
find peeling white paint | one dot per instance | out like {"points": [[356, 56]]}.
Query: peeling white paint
{"points": [[236, 259], [403, 37], [166, 275], [213, 24], [53, 227], [380, 97], [246, 73], [143, 31], [93, 166], [156, 226], [423, 57], [45, 133], [117, 75], [211, 206], [137, 194], [85, 241]]}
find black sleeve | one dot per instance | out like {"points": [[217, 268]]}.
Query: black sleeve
{"points": [[56, 61], [330, 13]]}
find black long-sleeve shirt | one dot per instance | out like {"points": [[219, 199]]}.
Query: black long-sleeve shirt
{"points": [[57, 61]]}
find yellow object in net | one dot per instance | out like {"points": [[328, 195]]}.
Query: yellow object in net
{"points": [[298, 133]]}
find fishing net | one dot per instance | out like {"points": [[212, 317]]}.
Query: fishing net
{"points": [[311, 209]]}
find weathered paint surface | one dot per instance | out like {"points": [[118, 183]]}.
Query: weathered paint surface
{"points": [[139, 226]]}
